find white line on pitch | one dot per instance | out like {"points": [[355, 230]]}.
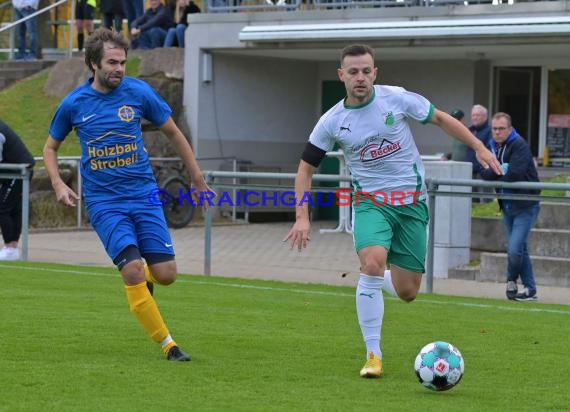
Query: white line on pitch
{"points": [[300, 291]]}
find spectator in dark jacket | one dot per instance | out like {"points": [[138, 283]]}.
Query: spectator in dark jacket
{"points": [[519, 216], [12, 150], [175, 35], [150, 29]]}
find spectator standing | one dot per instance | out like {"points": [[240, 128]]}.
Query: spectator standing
{"points": [[23, 8], [150, 29], [84, 12], [372, 126], [458, 149], [113, 14], [12, 150], [175, 35], [519, 216]]}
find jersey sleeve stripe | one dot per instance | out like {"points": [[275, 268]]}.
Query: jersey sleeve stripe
{"points": [[429, 115]]}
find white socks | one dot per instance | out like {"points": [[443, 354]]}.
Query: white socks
{"points": [[370, 311], [388, 285], [370, 308]]}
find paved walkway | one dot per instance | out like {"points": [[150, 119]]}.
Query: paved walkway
{"points": [[256, 251]]}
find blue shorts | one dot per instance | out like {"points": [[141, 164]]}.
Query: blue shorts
{"points": [[131, 223]]}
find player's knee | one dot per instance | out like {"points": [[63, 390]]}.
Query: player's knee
{"points": [[373, 268], [166, 279], [133, 272], [165, 273], [409, 290], [408, 295]]}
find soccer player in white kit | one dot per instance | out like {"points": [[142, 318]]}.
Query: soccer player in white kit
{"points": [[390, 213]]}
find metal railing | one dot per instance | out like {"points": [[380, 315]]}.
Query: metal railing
{"points": [[217, 6], [434, 188], [227, 6], [211, 176], [14, 24], [74, 161], [20, 171]]}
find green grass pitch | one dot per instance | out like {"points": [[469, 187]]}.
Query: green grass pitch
{"points": [[69, 343]]}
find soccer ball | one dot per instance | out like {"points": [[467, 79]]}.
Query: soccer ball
{"points": [[439, 366]]}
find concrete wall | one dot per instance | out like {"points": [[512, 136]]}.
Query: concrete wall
{"points": [[452, 71], [259, 110], [452, 236], [263, 110]]}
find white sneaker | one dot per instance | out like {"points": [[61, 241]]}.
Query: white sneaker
{"points": [[9, 253]]}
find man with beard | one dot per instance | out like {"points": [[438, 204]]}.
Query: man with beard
{"points": [[106, 113], [371, 126]]}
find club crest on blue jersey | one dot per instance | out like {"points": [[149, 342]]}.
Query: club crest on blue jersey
{"points": [[126, 113]]}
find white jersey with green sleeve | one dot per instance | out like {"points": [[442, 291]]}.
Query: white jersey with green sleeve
{"points": [[377, 142]]}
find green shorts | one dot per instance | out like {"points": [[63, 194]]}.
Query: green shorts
{"points": [[402, 230]]}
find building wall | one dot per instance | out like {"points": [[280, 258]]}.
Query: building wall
{"points": [[259, 110], [447, 84], [241, 112], [263, 110]]}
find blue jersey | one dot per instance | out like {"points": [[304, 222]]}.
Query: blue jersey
{"points": [[114, 162]]}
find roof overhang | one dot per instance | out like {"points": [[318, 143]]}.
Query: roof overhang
{"points": [[409, 29]]}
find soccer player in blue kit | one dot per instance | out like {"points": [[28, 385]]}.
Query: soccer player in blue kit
{"points": [[118, 179], [371, 127]]}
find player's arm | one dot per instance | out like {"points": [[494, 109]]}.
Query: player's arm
{"points": [[63, 192], [300, 233], [187, 155], [457, 130]]}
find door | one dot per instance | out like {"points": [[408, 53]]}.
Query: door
{"points": [[517, 92]]}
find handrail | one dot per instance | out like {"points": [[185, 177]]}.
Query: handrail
{"points": [[265, 5], [498, 184], [75, 160], [433, 188], [213, 6], [36, 13], [367, 3], [10, 26]]}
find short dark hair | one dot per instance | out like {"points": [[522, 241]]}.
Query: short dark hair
{"points": [[356, 50], [94, 47]]}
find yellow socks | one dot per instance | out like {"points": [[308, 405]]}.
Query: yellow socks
{"points": [[144, 308], [148, 276], [151, 321], [166, 346]]}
